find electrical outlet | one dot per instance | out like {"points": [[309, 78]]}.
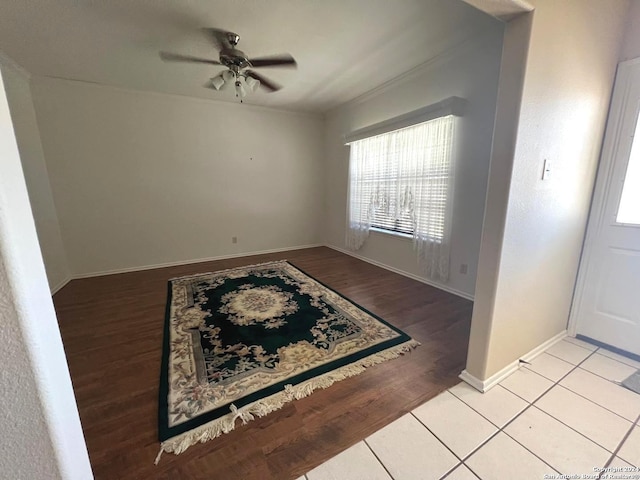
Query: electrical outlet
{"points": [[463, 268], [234, 239]]}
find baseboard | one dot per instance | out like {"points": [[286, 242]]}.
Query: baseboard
{"points": [[496, 378], [459, 293], [189, 262], [58, 287]]}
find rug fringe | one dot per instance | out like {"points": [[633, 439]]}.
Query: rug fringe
{"points": [[262, 407]]}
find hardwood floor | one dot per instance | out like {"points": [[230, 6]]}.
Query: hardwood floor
{"points": [[112, 332]]}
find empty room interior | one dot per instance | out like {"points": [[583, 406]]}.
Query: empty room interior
{"points": [[337, 240]]}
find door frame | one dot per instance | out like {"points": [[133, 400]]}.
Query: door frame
{"points": [[604, 176]]}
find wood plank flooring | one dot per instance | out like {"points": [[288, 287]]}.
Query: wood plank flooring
{"points": [[112, 333]]}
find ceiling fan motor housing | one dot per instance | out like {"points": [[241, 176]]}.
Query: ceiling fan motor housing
{"points": [[233, 57]]}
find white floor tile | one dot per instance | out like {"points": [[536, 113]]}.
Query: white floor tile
{"points": [[455, 423], [498, 405], [502, 457], [581, 343], [630, 451], [526, 384], [606, 394], [603, 427], [355, 463], [607, 367], [569, 352], [461, 473], [622, 359], [409, 451], [550, 367], [562, 448]]}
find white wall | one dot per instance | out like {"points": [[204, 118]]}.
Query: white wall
{"points": [[469, 71], [36, 175], [631, 42], [570, 67], [141, 179], [41, 434]]}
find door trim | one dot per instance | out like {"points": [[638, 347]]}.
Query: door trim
{"points": [[604, 175]]}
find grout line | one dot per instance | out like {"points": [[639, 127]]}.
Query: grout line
{"points": [[569, 337], [438, 438], [451, 470], [471, 470], [623, 359], [571, 428], [524, 410], [574, 344], [562, 386], [605, 378], [479, 413], [377, 458], [535, 373], [487, 418], [610, 348], [529, 405], [595, 403], [571, 363], [550, 379], [482, 444], [533, 453], [617, 449]]}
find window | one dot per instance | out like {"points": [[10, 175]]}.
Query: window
{"points": [[629, 208], [401, 181]]}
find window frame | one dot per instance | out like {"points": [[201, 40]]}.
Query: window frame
{"points": [[451, 107]]}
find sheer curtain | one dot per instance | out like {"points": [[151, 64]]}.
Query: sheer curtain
{"points": [[405, 177]]}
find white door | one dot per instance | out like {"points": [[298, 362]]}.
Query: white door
{"points": [[606, 306]]}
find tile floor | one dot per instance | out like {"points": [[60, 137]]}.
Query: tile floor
{"points": [[562, 414]]}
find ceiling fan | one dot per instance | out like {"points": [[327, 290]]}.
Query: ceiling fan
{"points": [[239, 66]]}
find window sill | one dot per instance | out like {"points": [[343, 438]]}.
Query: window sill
{"points": [[400, 235]]}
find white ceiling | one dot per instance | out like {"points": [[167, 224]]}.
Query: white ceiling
{"points": [[344, 48]]}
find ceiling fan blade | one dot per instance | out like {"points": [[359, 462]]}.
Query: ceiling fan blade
{"points": [[219, 37], [268, 84], [178, 57], [284, 60]]}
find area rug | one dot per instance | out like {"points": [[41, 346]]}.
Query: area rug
{"points": [[243, 342]]}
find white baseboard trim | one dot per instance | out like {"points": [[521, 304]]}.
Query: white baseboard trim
{"points": [[188, 262], [493, 380], [58, 287], [402, 272]]}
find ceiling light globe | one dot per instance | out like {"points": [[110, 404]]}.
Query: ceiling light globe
{"points": [[252, 83], [217, 82]]}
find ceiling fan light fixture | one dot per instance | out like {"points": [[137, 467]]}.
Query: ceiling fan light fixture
{"points": [[217, 82], [240, 91], [228, 75], [252, 83]]}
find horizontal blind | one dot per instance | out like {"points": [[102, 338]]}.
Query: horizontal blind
{"points": [[401, 182]]}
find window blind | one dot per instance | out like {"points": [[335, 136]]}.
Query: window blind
{"points": [[403, 184], [401, 181]]}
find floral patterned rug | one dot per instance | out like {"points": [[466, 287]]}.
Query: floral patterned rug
{"points": [[243, 342]]}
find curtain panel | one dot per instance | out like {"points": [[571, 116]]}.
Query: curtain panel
{"points": [[402, 181]]}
